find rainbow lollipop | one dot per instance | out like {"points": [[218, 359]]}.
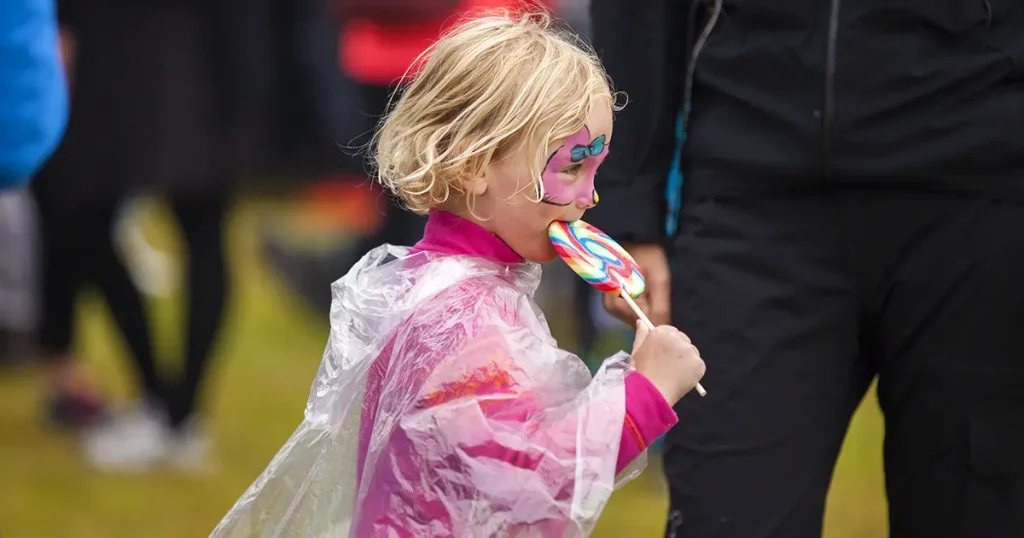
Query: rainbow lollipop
{"points": [[602, 262], [597, 258]]}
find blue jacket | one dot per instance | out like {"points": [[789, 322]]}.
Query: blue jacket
{"points": [[33, 92]]}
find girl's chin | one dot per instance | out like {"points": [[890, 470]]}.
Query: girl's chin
{"points": [[542, 253]]}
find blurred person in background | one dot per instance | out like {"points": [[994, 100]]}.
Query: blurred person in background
{"points": [[852, 207], [33, 114], [156, 104]]}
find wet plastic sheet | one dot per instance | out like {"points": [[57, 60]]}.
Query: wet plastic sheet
{"points": [[441, 372]]}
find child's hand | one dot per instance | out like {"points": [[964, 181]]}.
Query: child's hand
{"points": [[668, 359]]}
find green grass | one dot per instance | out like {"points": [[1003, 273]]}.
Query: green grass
{"points": [[267, 356]]}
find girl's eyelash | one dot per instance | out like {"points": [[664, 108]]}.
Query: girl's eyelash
{"points": [[572, 169]]}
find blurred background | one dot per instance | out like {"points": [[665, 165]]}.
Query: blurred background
{"points": [[164, 282]]}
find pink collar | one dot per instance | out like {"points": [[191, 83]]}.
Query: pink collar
{"points": [[447, 233]]}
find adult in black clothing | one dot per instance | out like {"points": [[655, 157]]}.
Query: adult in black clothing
{"points": [[852, 207], [157, 102]]}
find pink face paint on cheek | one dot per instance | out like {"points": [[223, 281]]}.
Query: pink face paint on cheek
{"points": [[556, 190], [585, 194]]}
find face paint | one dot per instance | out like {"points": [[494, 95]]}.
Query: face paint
{"points": [[578, 148]]}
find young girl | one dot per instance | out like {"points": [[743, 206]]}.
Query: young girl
{"points": [[443, 407]]}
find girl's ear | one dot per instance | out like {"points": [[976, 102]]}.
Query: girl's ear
{"points": [[477, 185]]}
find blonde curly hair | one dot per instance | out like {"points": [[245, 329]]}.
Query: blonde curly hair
{"points": [[489, 86]]}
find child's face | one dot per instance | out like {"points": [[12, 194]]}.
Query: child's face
{"points": [[567, 187]]}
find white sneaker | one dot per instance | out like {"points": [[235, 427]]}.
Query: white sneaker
{"points": [[188, 448], [131, 442]]}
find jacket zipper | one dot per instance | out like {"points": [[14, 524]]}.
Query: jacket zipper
{"points": [[694, 49], [830, 83]]}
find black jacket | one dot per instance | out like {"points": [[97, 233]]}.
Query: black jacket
{"points": [[808, 93]]}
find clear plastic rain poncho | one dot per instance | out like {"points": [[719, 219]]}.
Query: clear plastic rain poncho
{"points": [[443, 407]]}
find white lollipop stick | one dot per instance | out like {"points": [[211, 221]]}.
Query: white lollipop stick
{"points": [[643, 317], [636, 309]]}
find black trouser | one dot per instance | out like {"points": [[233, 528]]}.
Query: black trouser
{"points": [[202, 222], [796, 302], [78, 250]]}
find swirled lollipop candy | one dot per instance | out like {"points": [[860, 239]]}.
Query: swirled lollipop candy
{"points": [[597, 258], [602, 262]]}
